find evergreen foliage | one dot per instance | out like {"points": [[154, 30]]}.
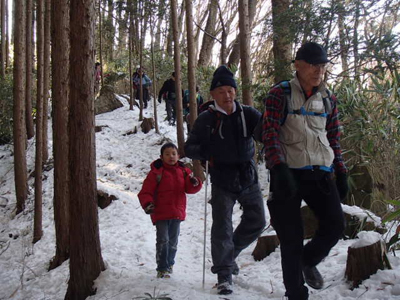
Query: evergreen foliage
{"points": [[6, 110]]}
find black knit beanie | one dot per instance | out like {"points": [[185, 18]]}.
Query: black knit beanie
{"points": [[222, 76]]}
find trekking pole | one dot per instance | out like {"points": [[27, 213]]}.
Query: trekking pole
{"points": [[205, 226], [208, 138]]}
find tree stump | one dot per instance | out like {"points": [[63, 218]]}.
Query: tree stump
{"points": [[265, 246], [147, 125], [364, 261], [104, 199]]}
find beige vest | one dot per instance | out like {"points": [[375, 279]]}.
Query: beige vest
{"points": [[304, 137]]}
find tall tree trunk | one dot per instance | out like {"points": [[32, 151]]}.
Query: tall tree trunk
{"points": [[142, 37], [29, 66], [245, 64], [86, 261], [46, 78], [209, 35], [3, 40], [153, 25], [281, 42], [19, 128], [101, 44], [234, 56], [131, 99], [178, 86], [355, 40], [197, 168], [37, 225], [342, 39], [224, 37], [110, 31], [161, 10], [170, 38], [122, 27], [7, 38], [60, 100]]}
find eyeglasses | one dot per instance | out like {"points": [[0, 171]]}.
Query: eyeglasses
{"points": [[319, 66]]}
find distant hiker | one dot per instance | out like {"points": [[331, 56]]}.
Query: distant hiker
{"points": [[186, 105], [146, 83], [163, 196], [301, 137], [223, 135], [168, 88], [97, 78]]}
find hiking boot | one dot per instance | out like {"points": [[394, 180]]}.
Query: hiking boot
{"points": [[235, 270], [224, 288], [163, 274], [313, 277], [170, 269]]}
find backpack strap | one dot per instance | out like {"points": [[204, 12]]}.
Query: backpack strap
{"points": [[217, 127], [288, 107]]}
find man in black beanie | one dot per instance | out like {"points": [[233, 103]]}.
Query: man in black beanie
{"points": [[301, 137], [223, 135]]}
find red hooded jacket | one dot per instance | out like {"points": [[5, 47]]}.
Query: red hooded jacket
{"points": [[166, 186]]}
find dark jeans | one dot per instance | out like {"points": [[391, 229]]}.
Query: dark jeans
{"points": [[167, 243], [226, 244], [146, 96], [322, 197], [170, 108]]}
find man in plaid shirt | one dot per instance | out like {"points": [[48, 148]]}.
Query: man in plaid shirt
{"points": [[301, 138]]}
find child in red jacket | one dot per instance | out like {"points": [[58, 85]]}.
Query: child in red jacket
{"points": [[163, 196]]}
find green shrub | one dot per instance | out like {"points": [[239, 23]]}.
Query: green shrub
{"points": [[370, 115], [6, 110]]}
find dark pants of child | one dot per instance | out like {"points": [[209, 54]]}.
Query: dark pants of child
{"points": [[166, 243], [226, 244], [318, 190]]}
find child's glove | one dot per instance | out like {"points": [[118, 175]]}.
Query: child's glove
{"points": [[194, 181], [149, 209]]}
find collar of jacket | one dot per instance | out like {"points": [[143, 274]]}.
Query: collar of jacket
{"points": [[238, 109]]}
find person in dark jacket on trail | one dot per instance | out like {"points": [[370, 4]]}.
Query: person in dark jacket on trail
{"points": [[223, 135], [301, 137], [168, 88], [163, 196]]}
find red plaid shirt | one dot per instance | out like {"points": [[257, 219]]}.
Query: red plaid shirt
{"points": [[272, 123]]}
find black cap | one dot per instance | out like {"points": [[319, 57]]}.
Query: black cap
{"points": [[222, 76], [312, 53]]}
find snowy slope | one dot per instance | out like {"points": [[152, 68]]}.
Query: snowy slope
{"points": [[128, 237]]}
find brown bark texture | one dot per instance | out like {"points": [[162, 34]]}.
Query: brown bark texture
{"points": [[86, 261], [209, 35], [37, 224], [245, 64], [178, 84], [3, 40], [19, 129], [363, 262], [281, 42], [46, 77], [60, 99], [265, 246], [29, 66]]}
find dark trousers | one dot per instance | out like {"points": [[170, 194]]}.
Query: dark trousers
{"points": [[167, 243], [170, 108], [226, 244], [146, 96], [322, 197]]}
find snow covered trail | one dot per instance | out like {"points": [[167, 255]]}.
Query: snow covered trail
{"points": [[128, 237]]}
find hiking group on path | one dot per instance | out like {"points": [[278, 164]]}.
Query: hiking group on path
{"points": [[300, 132]]}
